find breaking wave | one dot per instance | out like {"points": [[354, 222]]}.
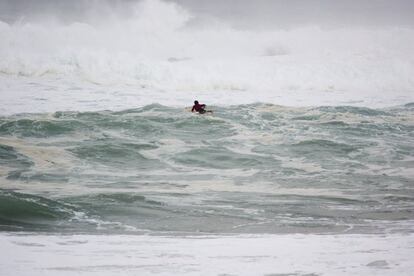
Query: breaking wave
{"points": [[174, 53]]}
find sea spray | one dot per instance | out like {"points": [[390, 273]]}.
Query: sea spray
{"points": [[170, 54]]}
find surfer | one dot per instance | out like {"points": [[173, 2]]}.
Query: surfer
{"points": [[199, 108]]}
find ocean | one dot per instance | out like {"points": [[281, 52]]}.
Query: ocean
{"points": [[256, 168], [305, 166]]}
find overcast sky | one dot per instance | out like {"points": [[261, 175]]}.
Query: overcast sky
{"points": [[239, 13]]}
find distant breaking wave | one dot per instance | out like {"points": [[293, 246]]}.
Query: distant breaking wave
{"points": [[160, 47]]}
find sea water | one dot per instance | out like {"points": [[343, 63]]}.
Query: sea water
{"points": [[256, 168], [305, 166]]}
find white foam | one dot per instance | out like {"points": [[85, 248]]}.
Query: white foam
{"points": [[122, 62], [206, 255]]}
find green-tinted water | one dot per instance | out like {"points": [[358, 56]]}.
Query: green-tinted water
{"points": [[245, 169]]}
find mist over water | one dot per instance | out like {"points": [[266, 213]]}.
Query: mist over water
{"points": [[240, 13], [175, 48]]}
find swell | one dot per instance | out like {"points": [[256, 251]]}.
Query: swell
{"points": [[20, 211], [41, 127], [174, 213], [82, 214], [247, 168], [138, 136]]}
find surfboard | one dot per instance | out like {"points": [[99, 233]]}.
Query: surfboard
{"points": [[207, 111]]}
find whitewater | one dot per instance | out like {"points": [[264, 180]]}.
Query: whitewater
{"points": [[306, 166]]}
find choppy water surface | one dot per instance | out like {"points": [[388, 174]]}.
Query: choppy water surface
{"points": [[245, 169]]}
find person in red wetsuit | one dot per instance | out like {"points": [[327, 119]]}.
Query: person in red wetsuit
{"points": [[198, 108]]}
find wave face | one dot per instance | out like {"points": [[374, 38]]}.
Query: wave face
{"points": [[160, 45], [256, 168]]}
